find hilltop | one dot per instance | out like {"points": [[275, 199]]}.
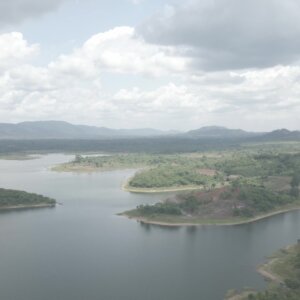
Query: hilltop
{"points": [[41, 130]]}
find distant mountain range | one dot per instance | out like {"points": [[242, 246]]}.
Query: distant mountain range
{"points": [[223, 132], [64, 130], [283, 134], [220, 132]]}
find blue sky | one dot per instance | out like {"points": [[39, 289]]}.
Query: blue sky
{"points": [[164, 64], [74, 21]]}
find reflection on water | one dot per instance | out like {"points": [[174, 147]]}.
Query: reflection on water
{"points": [[161, 227], [191, 230], [23, 209], [83, 250]]}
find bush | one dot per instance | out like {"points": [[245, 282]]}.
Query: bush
{"points": [[14, 198], [159, 208], [292, 283]]}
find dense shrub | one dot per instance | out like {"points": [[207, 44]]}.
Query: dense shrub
{"points": [[168, 176], [14, 198], [159, 208]]}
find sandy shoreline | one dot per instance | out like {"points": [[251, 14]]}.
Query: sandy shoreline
{"points": [[16, 207], [265, 270], [127, 188], [125, 185], [268, 275]]}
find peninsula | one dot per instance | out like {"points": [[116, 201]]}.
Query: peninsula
{"points": [[13, 199], [283, 273], [235, 204]]}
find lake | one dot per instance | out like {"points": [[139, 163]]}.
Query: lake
{"points": [[82, 250]]}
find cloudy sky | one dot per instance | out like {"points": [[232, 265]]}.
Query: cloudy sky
{"points": [[151, 63]]}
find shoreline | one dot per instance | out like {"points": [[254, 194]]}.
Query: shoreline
{"points": [[20, 157], [60, 168], [265, 270], [127, 188], [17, 207], [267, 274], [206, 223]]}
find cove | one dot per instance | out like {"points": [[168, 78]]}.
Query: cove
{"points": [[83, 250]]}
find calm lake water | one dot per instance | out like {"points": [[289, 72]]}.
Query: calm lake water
{"points": [[83, 251]]}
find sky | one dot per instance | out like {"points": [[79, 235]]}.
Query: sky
{"points": [[163, 64]]}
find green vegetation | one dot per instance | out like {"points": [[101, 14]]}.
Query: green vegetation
{"points": [[159, 171], [284, 272], [17, 156], [209, 172], [159, 208], [238, 203], [155, 145], [188, 204], [168, 176], [16, 199], [112, 162], [254, 200], [269, 165]]}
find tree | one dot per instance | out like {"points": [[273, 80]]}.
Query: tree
{"points": [[295, 185], [78, 158], [295, 180]]}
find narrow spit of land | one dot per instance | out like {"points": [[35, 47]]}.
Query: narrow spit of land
{"points": [[18, 156], [282, 271]]}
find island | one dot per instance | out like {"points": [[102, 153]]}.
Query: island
{"points": [[13, 199], [283, 273]]}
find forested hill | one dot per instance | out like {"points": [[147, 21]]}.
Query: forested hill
{"points": [[128, 145], [283, 134], [135, 145], [63, 130], [220, 132]]}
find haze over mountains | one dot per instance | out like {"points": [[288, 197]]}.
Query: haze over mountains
{"points": [[218, 131], [64, 130]]}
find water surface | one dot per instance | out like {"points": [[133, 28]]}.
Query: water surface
{"points": [[83, 251]]}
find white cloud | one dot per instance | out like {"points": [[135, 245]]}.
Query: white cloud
{"points": [[120, 50], [70, 88], [261, 99], [14, 49]]}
